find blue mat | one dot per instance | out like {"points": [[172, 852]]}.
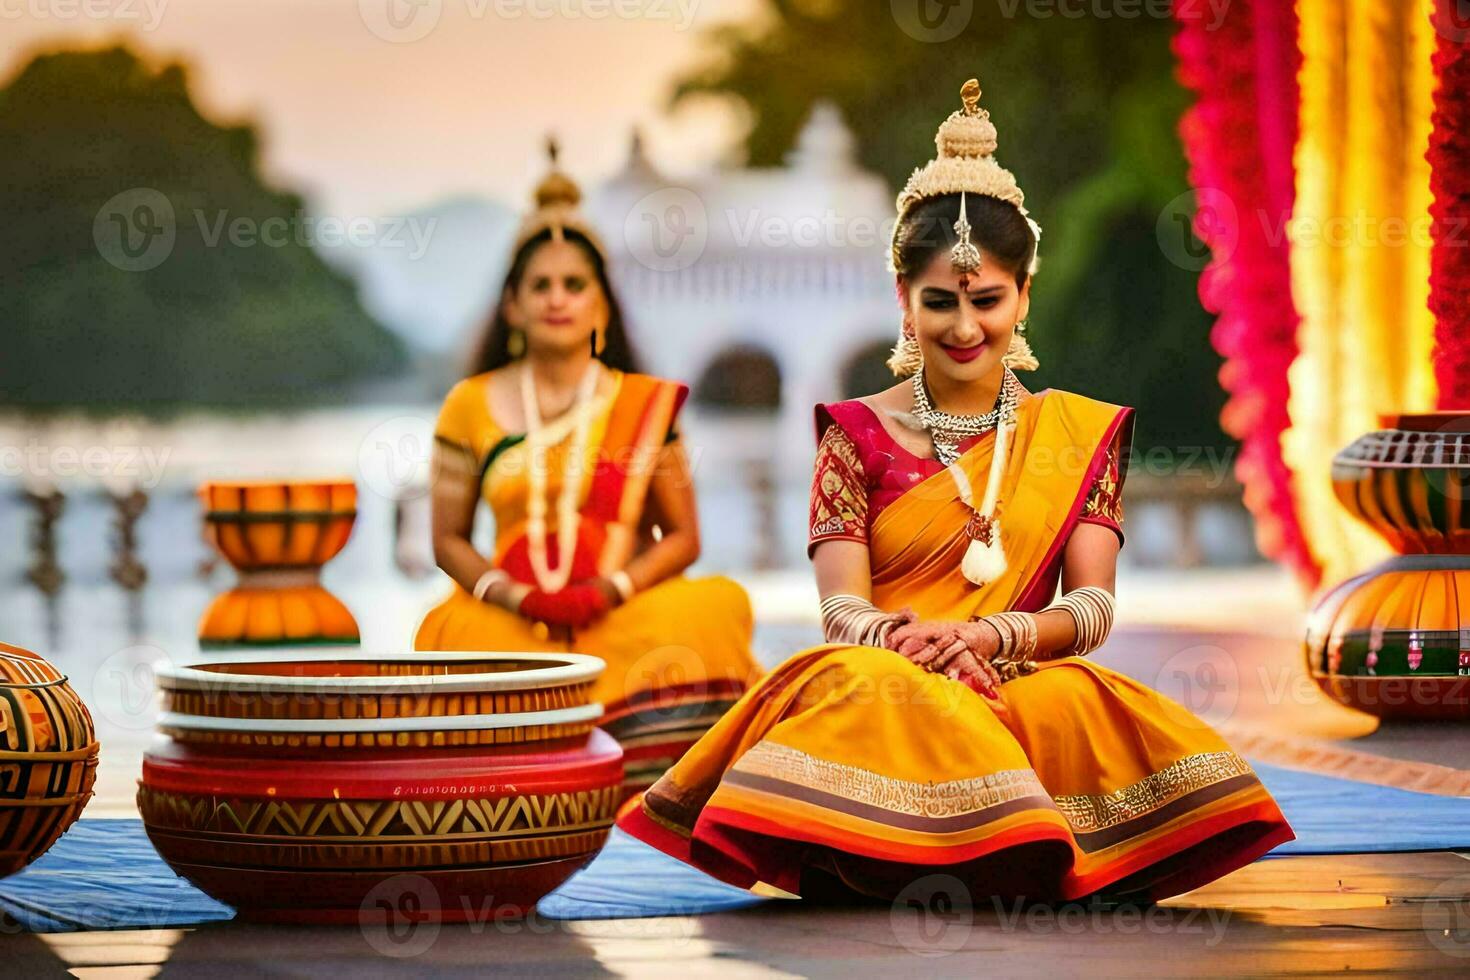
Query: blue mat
{"points": [[1343, 816], [104, 874], [631, 880]]}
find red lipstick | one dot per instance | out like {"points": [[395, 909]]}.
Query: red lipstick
{"points": [[964, 354]]}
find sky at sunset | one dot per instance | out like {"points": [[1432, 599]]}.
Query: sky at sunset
{"points": [[372, 107]]}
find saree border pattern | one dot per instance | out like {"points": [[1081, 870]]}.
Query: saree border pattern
{"points": [[1085, 813], [773, 760], [1090, 813]]}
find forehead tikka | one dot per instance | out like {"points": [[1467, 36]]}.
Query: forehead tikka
{"points": [[964, 258]]}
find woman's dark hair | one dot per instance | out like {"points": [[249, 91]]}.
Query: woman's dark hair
{"points": [[494, 350], [996, 227]]}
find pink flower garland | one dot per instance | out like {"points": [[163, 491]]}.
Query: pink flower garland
{"points": [[1449, 181], [1239, 138]]}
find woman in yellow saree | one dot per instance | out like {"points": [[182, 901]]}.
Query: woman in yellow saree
{"points": [[579, 458], [952, 722]]}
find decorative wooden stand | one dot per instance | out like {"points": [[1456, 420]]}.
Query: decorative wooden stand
{"points": [[278, 536]]}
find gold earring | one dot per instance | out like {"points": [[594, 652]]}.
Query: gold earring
{"points": [[907, 358], [599, 340], [1019, 357], [515, 344]]}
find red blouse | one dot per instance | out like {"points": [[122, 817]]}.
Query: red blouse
{"points": [[861, 469]]}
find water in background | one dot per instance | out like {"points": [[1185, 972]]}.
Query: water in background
{"points": [[753, 520]]}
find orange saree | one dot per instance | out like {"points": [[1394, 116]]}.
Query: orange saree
{"points": [[678, 653], [851, 764]]}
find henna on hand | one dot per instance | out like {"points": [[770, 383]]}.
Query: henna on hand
{"points": [[959, 651]]}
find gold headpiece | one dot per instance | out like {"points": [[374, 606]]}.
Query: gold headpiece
{"points": [[557, 208], [965, 163]]}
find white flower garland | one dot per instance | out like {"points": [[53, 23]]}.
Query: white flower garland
{"points": [[568, 516]]}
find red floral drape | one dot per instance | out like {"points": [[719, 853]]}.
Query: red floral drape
{"points": [[1239, 139], [1449, 181]]}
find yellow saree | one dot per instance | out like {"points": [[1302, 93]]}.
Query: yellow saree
{"points": [[678, 654], [851, 764]]}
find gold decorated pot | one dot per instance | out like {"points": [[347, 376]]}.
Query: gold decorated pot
{"points": [[303, 787], [48, 757], [1410, 481], [1392, 640]]}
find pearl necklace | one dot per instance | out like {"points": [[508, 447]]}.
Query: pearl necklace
{"points": [[568, 517], [947, 431]]}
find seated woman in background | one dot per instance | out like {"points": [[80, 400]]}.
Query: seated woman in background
{"points": [[580, 460], [953, 721]]}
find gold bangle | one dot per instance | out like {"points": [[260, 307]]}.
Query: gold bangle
{"points": [[1091, 609], [484, 582], [1017, 648], [623, 582]]}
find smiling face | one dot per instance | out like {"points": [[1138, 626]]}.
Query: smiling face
{"points": [[963, 324], [558, 301]]}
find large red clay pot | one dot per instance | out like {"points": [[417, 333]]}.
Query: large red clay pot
{"points": [[278, 535], [307, 788], [48, 757], [1394, 640]]}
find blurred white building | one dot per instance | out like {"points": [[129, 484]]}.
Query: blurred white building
{"points": [[764, 288]]}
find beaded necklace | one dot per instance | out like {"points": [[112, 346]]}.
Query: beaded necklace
{"points": [[568, 517]]}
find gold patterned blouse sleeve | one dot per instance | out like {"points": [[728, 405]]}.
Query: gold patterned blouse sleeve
{"points": [[839, 505], [1105, 501]]}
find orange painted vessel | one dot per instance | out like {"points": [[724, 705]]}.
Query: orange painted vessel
{"points": [[1393, 641], [278, 535]]}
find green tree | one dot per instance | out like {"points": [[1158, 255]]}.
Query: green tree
{"points": [[100, 148], [1087, 109]]}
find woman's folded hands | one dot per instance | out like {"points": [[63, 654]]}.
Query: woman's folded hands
{"points": [[959, 651], [576, 606]]}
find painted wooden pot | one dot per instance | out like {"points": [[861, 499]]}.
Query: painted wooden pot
{"points": [[48, 757], [278, 535], [1391, 641], [1410, 482], [302, 788]]}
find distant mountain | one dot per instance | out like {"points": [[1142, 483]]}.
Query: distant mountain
{"points": [[147, 265]]}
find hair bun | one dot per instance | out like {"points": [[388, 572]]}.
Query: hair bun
{"points": [[557, 189]]}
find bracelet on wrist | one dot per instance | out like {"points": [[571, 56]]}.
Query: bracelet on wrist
{"points": [[490, 578], [623, 582], [1017, 650]]}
